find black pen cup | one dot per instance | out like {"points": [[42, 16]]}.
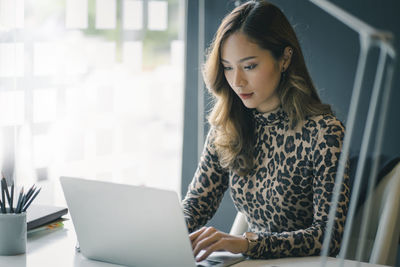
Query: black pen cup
{"points": [[12, 233]]}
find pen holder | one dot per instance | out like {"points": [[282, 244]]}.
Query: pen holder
{"points": [[12, 233]]}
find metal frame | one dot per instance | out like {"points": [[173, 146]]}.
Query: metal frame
{"points": [[369, 37]]}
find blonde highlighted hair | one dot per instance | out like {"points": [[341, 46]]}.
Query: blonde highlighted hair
{"points": [[265, 25]]}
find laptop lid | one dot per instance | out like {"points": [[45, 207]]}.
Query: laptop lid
{"points": [[129, 225]]}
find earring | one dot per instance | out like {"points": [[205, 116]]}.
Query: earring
{"points": [[283, 74]]}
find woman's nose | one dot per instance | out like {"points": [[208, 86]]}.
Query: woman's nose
{"points": [[238, 78]]}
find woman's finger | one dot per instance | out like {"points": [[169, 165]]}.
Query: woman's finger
{"points": [[195, 234], [204, 234], [206, 242], [219, 245]]}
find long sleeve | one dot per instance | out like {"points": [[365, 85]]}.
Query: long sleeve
{"points": [[206, 189], [308, 241]]}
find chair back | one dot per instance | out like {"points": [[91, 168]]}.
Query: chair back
{"points": [[239, 225], [384, 222]]}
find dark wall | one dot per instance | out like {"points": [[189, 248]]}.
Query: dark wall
{"points": [[189, 151], [214, 12], [331, 50]]}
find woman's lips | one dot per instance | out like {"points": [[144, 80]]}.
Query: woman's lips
{"points": [[245, 96]]}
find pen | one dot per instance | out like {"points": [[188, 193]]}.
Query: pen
{"points": [[30, 201]]}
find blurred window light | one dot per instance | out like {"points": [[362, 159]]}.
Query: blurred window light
{"points": [[158, 15], [44, 105], [47, 58], [12, 108], [11, 59], [96, 94], [76, 14], [177, 46], [102, 55], [75, 57], [105, 99], [11, 14], [133, 55], [104, 142], [43, 152], [133, 15], [106, 14], [75, 102]]}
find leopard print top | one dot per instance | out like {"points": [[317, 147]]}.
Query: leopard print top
{"points": [[286, 197]]}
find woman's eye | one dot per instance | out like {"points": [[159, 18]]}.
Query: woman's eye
{"points": [[250, 67], [227, 68]]}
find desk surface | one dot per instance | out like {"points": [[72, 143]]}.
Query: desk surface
{"points": [[57, 248]]}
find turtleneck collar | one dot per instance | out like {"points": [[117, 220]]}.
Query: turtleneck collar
{"points": [[270, 118]]}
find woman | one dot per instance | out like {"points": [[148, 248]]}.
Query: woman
{"points": [[272, 142]]}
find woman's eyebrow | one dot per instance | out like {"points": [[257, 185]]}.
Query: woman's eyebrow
{"points": [[241, 60]]}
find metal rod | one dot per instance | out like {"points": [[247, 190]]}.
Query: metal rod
{"points": [[365, 143], [363, 153], [200, 84], [377, 149], [381, 126], [364, 45]]}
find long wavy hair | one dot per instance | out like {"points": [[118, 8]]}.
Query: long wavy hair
{"points": [[266, 25]]}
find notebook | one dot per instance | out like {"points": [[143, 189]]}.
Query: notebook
{"points": [[38, 215], [132, 225]]}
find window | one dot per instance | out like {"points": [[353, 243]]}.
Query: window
{"points": [[91, 88]]}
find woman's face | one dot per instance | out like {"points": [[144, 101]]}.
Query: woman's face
{"points": [[252, 72]]}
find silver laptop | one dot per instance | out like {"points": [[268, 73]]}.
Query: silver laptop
{"points": [[132, 225]]}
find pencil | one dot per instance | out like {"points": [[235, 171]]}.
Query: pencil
{"points": [[12, 198], [19, 199], [6, 190], [30, 191], [30, 201], [3, 198], [23, 200]]}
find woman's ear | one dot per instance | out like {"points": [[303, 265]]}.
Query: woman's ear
{"points": [[287, 57]]}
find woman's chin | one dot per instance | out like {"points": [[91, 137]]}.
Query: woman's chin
{"points": [[248, 105]]}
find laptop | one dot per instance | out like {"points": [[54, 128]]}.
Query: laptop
{"points": [[39, 215], [132, 225]]}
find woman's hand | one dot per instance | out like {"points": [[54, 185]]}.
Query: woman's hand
{"points": [[210, 240]]}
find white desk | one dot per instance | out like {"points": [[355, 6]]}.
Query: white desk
{"points": [[57, 248]]}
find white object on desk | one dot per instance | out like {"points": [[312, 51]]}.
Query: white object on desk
{"points": [[58, 249]]}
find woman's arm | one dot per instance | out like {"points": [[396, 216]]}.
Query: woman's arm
{"points": [[306, 242], [206, 189]]}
